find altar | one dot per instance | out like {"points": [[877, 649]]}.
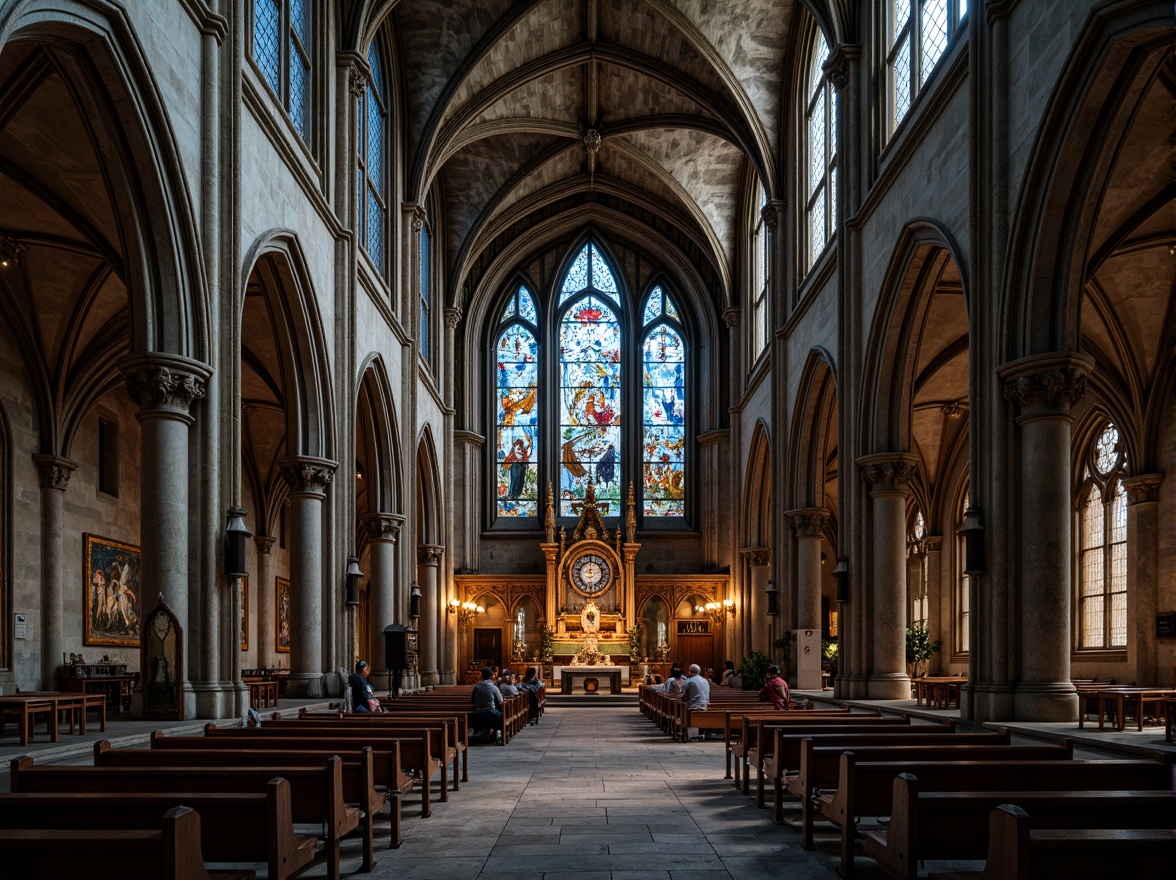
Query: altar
{"points": [[567, 676]]}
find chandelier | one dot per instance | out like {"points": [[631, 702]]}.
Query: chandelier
{"points": [[466, 612]]}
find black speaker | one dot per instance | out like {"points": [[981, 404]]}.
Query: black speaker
{"points": [[396, 646]]}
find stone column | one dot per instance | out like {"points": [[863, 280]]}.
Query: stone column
{"points": [[1143, 535], [55, 473], [382, 530], [1045, 387], [308, 478], [429, 565], [809, 524], [755, 607], [939, 607], [165, 386], [888, 475], [267, 630]]}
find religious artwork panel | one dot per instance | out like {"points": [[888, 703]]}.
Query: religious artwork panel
{"points": [[282, 642], [518, 421], [245, 613], [112, 591], [591, 453], [664, 417]]}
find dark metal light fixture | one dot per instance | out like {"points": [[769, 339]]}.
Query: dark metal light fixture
{"points": [[973, 532], [414, 601], [841, 572], [773, 598], [353, 576], [10, 249], [235, 537]]}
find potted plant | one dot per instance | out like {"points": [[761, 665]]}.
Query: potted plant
{"points": [[829, 656], [754, 670], [920, 648]]}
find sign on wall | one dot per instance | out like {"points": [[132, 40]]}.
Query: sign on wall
{"points": [[693, 627]]}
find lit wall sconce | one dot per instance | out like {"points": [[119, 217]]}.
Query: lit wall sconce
{"points": [[841, 572], [353, 576], [235, 537], [713, 610], [467, 612], [773, 599], [729, 604], [414, 601]]}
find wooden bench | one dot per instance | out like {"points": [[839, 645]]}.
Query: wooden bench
{"points": [[712, 719], [516, 710], [233, 827], [171, 853], [954, 825], [866, 788], [316, 793], [740, 734], [1018, 851], [820, 768]]}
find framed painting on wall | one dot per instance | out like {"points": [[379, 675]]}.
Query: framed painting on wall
{"points": [[113, 606], [245, 613], [283, 616]]}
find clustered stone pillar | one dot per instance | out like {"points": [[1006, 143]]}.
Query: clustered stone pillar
{"points": [[165, 387], [382, 530], [755, 607], [55, 473], [308, 478], [888, 475], [809, 524], [1045, 387], [429, 561], [267, 630], [1143, 535]]}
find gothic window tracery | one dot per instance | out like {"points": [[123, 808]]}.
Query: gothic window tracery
{"points": [[821, 132], [281, 49], [372, 197], [664, 407], [1102, 544], [517, 402], [918, 34], [759, 279]]}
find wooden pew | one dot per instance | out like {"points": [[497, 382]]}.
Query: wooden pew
{"points": [[1018, 851], [233, 827], [954, 825], [359, 772], [866, 788], [820, 768], [316, 794], [739, 731], [712, 719], [515, 710], [423, 763], [171, 853]]}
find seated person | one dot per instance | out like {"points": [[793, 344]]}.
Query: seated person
{"points": [[730, 677], [674, 684], [696, 689], [363, 698], [487, 700], [506, 685], [532, 685], [775, 689]]}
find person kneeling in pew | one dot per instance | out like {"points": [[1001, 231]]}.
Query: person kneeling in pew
{"points": [[363, 698]]}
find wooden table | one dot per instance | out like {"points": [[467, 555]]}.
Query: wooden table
{"points": [[1122, 699], [262, 693], [925, 689], [116, 688], [570, 675]]}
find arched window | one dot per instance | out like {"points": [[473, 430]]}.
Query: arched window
{"points": [[517, 397], [425, 329], [372, 197], [590, 373], [759, 279], [663, 384], [915, 45], [591, 388], [821, 193], [281, 50], [1102, 546]]}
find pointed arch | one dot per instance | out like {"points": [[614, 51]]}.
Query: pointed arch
{"points": [[378, 435], [814, 436], [430, 524], [757, 489]]}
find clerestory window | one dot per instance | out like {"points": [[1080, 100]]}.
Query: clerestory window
{"points": [[281, 49], [371, 205], [821, 131], [918, 34]]}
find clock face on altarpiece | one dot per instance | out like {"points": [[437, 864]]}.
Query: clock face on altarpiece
{"points": [[590, 574]]}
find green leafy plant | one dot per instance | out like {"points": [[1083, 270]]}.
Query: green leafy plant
{"points": [[919, 646], [545, 634], [829, 650], [754, 670]]}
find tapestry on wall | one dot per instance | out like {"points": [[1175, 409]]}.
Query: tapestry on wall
{"points": [[283, 616], [245, 613], [113, 607]]}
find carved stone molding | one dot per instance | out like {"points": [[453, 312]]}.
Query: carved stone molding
{"points": [[953, 410], [265, 543], [592, 141], [452, 318], [889, 471], [757, 555], [306, 475], [382, 526], [841, 60], [932, 543], [809, 522], [1143, 488], [1046, 384], [356, 79], [54, 470], [430, 554], [731, 318], [164, 383], [771, 213]]}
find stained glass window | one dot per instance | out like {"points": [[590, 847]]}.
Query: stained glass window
{"points": [[588, 271], [517, 403], [663, 385], [822, 154], [918, 39], [1102, 530], [759, 279], [281, 49], [371, 208], [426, 284]]}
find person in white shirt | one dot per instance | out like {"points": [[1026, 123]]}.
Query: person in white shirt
{"points": [[696, 690]]}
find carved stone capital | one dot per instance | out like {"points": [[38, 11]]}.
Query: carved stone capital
{"points": [[808, 522], [841, 59], [889, 471], [265, 543], [357, 79], [771, 213], [953, 410], [418, 220], [307, 475], [54, 470], [452, 318], [757, 555], [932, 543], [382, 526], [1143, 488], [1047, 384], [164, 384], [731, 318], [430, 554]]}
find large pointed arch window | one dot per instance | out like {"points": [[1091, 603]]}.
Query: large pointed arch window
{"points": [[517, 402], [821, 192], [1102, 532], [371, 178], [590, 374], [663, 427]]}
